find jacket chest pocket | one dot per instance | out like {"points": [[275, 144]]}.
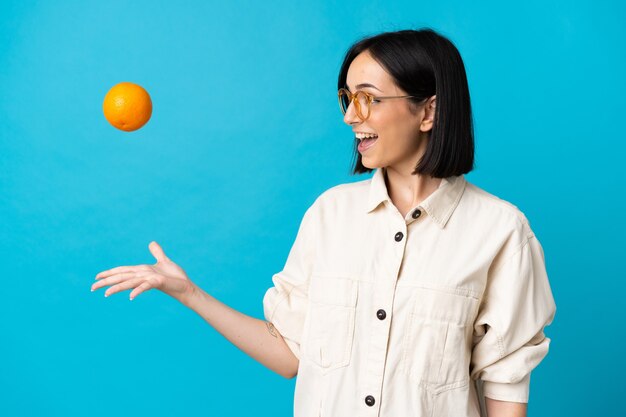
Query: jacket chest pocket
{"points": [[330, 328], [437, 340]]}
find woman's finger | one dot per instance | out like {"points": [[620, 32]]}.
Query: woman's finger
{"points": [[128, 284], [121, 269], [157, 252], [145, 286], [116, 279], [113, 271]]}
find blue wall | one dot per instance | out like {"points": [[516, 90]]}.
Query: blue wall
{"points": [[245, 134]]}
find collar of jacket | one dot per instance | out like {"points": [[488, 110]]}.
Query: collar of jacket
{"points": [[439, 205]]}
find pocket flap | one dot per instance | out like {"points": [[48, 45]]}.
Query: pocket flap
{"points": [[444, 306], [338, 291]]}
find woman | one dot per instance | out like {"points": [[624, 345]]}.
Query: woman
{"points": [[411, 293]]}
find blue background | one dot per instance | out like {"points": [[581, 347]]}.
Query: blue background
{"points": [[245, 134]]}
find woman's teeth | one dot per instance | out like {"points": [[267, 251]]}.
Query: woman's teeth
{"points": [[365, 135]]}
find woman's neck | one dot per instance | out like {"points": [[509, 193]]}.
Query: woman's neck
{"points": [[408, 190]]}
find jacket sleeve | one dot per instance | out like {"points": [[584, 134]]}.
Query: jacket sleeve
{"points": [[285, 304], [509, 339]]}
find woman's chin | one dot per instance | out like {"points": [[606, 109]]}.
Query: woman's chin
{"points": [[367, 163]]}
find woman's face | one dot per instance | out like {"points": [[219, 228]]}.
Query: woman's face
{"points": [[402, 135]]}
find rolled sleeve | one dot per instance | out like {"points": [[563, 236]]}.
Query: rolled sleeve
{"points": [[286, 303], [509, 339]]}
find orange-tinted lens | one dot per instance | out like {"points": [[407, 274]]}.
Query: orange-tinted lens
{"points": [[363, 107], [361, 103]]}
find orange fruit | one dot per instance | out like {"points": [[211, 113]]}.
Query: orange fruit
{"points": [[127, 106]]}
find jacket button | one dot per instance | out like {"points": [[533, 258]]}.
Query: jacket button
{"points": [[369, 400], [416, 213], [399, 236], [381, 314]]}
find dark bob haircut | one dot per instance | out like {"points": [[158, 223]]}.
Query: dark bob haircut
{"points": [[424, 63]]}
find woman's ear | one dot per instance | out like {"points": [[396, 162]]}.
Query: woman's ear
{"points": [[429, 114]]}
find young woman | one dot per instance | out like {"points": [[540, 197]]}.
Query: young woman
{"points": [[412, 293]]}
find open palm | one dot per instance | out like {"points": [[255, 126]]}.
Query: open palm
{"points": [[164, 275]]}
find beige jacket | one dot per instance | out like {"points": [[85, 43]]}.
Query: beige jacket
{"points": [[418, 316]]}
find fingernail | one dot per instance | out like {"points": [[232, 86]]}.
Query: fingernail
{"points": [[106, 295], [92, 290], [131, 298]]}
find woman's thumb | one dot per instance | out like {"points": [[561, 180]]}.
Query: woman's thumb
{"points": [[157, 251]]}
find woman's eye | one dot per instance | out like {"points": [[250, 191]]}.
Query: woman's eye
{"points": [[375, 101]]}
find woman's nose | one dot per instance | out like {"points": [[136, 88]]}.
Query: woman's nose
{"points": [[351, 117]]}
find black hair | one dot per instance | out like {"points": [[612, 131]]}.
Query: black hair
{"points": [[424, 63]]}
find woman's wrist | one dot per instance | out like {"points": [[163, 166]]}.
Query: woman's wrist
{"points": [[191, 293]]}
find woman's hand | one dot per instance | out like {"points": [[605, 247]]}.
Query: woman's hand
{"points": [[164, 275]]}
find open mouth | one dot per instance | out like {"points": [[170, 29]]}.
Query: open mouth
{"points": [[366, 143]]}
